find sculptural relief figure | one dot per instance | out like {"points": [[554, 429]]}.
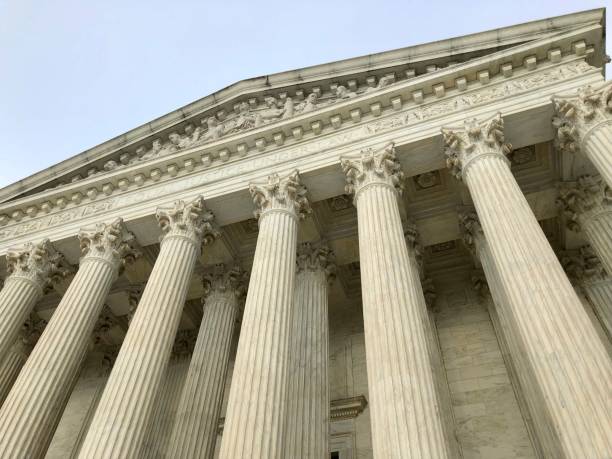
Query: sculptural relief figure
{"points": [[245, 119], [383, 82], [110, 165], [156, 147], [309, 104], [288, 108], [271, 112], [343, 93], [215, 129]]}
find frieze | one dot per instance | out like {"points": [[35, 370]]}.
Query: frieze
{"points": [[239, 166]]}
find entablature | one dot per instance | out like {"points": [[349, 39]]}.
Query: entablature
{"points": [[135, 191], [251, 106]]}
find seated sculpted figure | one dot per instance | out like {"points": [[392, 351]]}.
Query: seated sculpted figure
{"points": [[271, 112], [245, 119], [343, 93], [309, 104], [215, 129]]}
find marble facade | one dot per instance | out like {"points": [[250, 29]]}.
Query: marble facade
{"points": [[394, 256]]}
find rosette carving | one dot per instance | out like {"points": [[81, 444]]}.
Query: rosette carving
{"points": [[37, 262], [111, 242], [280, 193], [373, 166], [577, 113], [223, 280], [587, 197], [190, 220], [316, 257], [475, 139]]}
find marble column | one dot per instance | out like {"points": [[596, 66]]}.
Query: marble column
{"points": [[195, 429], [32, 409], [120, 422], [521, 376], [584, 124], [405, 408], [256, 415], [569, 363], [18, 354], [308, 396], [31, 269], [161, 422], [586, 270], [586, 205]]}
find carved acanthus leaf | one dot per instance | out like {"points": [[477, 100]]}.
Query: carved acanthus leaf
{"points": [[582, 265], [184, 342], [577, 113], [39, 263], [411, 234], [109, 241], [105, 322], [316, 257], [583, 199], [479, 282], [280, 193], [191, 220], [373, 166], [475, 138], [225, 280], [469, 226], [429, 292]]}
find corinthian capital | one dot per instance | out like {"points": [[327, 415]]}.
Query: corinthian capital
{"points": [[316, 257], [479, 282], [184, 342], [411, 234], [38, 263], [577, 113], [582, 265], [223, 280], [472, 141], [470, 229], [189, 220], [280, 193], [373, 166], [110, 242], [583, 199]]}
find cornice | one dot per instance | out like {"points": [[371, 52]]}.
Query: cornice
{"points": [[587, 25], [136, 186]]}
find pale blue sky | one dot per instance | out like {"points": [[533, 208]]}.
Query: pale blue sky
{"points": [[76, 73]]}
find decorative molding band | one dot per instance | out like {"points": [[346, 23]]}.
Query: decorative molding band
{"points": [[499, 90]]}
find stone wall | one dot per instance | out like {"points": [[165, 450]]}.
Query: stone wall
{"points": [[489, 423]]}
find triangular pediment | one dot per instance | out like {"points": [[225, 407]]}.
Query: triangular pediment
{"points": [[270, 100]]}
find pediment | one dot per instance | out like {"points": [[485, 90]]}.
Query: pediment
{"points": [[272, 100]]}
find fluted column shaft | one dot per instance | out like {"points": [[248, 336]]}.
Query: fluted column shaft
{"points": [[568, 360], [598, 148], [197, 419], [32, 269], [32, 409], [10, 367], [256, 414], [600, 295], [405, 411], [120, 422], [308, 421], [598, 231]]}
